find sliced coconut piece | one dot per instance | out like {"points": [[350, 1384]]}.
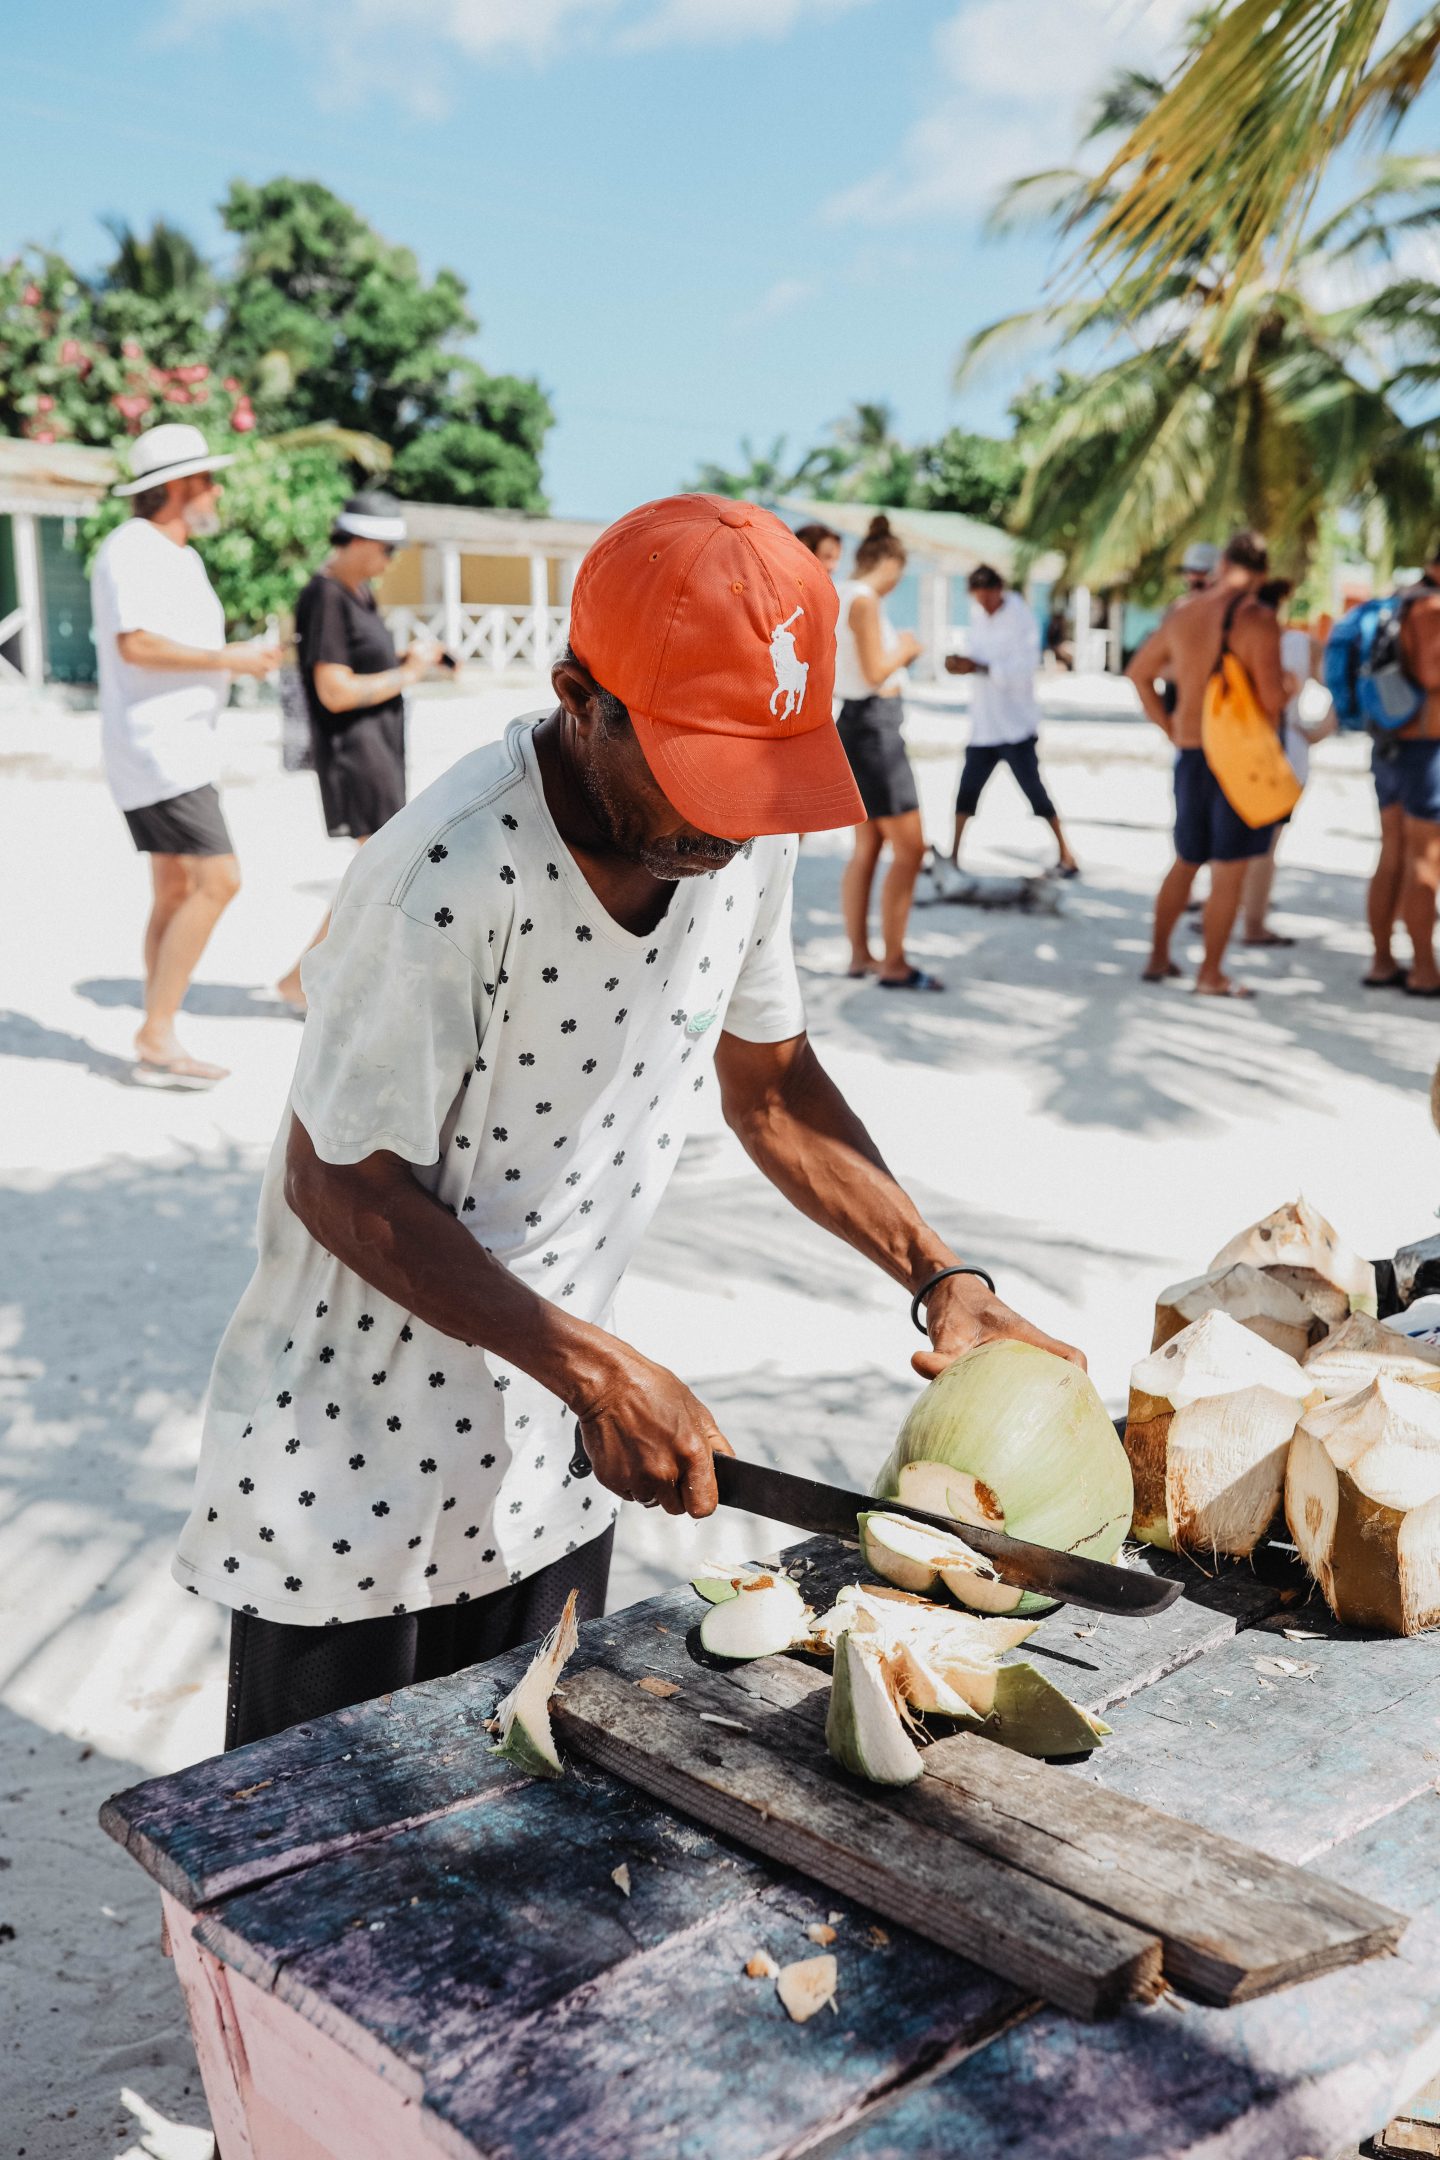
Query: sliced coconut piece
{"points": [[1269, 1308], [761, 1620], [808, 1985], [1033, 1717], [864, 1729], [717, 1580], [934, 1630], [1211, 1417], [1362, 1498], [761, 1966], [1361, 1350], [927, 1685], [914, 1557], [1028, 1444], [1299, 1248], [523, 1718]]}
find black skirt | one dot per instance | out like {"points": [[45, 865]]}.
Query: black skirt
{"points": [[361, 769], [870, 736]]}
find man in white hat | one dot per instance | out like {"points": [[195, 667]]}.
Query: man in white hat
{"points": [[165, 674]]}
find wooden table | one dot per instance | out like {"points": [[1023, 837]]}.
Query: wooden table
{"points": [[393, 1946]]}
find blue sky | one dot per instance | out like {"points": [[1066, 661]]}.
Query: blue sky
{"points": [[693, 220]]}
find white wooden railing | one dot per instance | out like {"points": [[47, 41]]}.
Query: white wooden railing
{"points": [[506, 640]]}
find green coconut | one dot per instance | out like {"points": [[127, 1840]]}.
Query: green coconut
{"points": [[1023, 1444], [718, 1580]]}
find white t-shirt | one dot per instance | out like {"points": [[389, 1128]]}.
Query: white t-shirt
{"points": [[476, 1011], [1310, 701], [157, 728], [1003, 707]]}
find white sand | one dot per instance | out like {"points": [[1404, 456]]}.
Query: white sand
{"points": [[1087, 1138]]}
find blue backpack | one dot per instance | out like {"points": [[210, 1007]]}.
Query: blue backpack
{"points": [[1365, 670]]}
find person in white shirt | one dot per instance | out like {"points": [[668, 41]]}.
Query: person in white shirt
{"points": [[165, 672], [537, 973], [1308, 718], [1004, 655]]}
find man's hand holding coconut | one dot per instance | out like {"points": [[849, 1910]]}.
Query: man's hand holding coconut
{"points": [[534, 976]]}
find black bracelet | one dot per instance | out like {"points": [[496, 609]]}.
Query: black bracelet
{"points": [[926, 1287]]}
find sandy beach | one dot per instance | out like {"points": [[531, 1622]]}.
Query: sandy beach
{"points": [[1087, 1138]]}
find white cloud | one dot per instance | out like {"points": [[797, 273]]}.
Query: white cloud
{"points": [[1011, 83], [783, 297], [407, 48]]}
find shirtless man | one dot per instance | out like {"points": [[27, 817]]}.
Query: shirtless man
{"points": [[1184, 650], [1416, 774]]}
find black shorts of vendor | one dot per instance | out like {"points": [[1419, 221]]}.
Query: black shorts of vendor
{"points": [[1408, 773], [1207, 827], [359, 755]]}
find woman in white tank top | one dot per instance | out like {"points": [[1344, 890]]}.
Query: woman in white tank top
{"points": [[869, 657]]}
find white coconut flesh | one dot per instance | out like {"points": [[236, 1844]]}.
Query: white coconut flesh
{"points": [[1029, 1433], [936, 1632], [523, 1717], [864, 1729], [1303, 1250], [1268, 1307], [1363, 1349], [763, 1618], [940, 1490], [915, 1557], [1362, 1498], [1211, 1418]]}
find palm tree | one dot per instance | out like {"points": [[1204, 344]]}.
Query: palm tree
{"points": [[1240, 401], [162, 264], [1227, 160]]}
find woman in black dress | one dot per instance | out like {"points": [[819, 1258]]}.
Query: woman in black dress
{"points": [[354, 683]]}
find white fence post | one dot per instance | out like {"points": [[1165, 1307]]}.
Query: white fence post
{"points": [[450, 597], [27, 592], [540, 612]]}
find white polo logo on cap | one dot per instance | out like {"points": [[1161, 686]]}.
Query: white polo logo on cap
{"points": [[791, 673]]}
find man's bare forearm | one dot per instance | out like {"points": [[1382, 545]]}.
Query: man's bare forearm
{"points": [[381, 1223], [800, 1131]]}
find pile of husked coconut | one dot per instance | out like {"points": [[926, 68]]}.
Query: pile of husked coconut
{"points": [[1271, 1382]]}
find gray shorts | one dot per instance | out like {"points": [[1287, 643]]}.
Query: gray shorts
{"points": [[191, 824]]}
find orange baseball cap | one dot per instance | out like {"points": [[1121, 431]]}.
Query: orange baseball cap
{"points": [[715, 627]]}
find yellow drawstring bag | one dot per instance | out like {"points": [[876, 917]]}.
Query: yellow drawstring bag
{"points": [[1242, 744]]}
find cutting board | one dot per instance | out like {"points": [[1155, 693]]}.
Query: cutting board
{"points": [[1087, 1898]]}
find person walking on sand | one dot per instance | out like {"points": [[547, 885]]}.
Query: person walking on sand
{"points": [[354, 684], [1309, 718], [1003, 658], [537, 975], [1416, 766], [869, 657], [165, 670], [1185, 649]]}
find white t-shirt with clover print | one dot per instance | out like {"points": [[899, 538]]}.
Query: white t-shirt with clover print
{"points": [[476, 1011]]}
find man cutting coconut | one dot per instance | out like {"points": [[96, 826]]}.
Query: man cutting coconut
{"points": [[534, 975]]}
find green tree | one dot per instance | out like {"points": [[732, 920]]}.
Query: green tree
{"points": [[334, 324], [979, 475]]}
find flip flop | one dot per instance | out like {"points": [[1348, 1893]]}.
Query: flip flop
{"points": [[183, 1072], [917, 979], [1240, 991], [1432, 992], [1271, 937], [1065, 870], [1395, 980], [1167, 974]]}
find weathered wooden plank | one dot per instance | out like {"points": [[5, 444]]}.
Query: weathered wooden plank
{"points": [[863, 1842], [488, 1960], [1234, 1922], [1313, 2070], [1294, 1764], [1413, 2134]]}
